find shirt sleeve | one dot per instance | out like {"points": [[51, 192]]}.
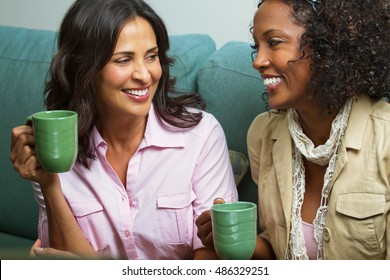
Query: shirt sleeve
{"points": [[254, 146], [213, 177], [43, 230]]}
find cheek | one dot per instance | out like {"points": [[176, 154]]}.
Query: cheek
{"points": [[113, 78], [118, 78], [156, 72], [302, 72]]}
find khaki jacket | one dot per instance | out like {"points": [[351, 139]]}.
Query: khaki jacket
{"points": [[358, 221]]}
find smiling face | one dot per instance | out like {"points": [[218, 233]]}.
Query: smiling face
{"points": [[127, 83], [277, 37]]}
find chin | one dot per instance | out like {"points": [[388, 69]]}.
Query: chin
{"points": [[140, 111], [274, 103], [275, 106]]}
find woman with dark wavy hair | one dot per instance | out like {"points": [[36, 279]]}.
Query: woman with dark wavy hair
{"points": [[149, 161], [321, 155]]}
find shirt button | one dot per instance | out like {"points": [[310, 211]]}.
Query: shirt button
{"points": [[326, 234], [127, 233]]}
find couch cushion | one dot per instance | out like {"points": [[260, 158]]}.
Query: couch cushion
{"points": [[24, 59], [189, 52], [240, 165], [232, 90]]}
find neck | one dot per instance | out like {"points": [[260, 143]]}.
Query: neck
{"points": [[316, 125], [122, 134]]}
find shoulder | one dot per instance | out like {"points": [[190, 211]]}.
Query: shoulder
{"points": [[377, 109], [208, 128], [206, 124], [207, 117], [265, 124], [381, 111], [380, 122], [376, 112], [369, 123]]}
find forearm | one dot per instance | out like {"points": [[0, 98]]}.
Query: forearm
{"points": [[64, 232], [263, 250]]}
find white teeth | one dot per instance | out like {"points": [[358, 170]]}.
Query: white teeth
{"points": [[137, 92], [271, 81]]}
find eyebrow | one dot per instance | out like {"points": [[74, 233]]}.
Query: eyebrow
{"points": [[131, 53], [266, 33]]}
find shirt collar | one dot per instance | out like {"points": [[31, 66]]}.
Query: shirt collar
{"points": [[161, 134], [157, 133]]}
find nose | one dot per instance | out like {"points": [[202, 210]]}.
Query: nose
{"points": [[260, 61], [141, 73]]}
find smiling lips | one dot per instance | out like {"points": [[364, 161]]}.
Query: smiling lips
{"points": [[137, 94], [271, 82]]}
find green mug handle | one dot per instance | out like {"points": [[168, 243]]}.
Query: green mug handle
{"points": [[28, 121]]}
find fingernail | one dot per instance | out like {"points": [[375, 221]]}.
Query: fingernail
{"points": [[38, 250], [218, 200]]}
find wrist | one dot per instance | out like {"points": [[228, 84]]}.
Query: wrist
{"points": [[50, 184]]}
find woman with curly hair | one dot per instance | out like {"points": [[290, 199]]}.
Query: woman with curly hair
{"points": [[149, 160], [321, 156]]}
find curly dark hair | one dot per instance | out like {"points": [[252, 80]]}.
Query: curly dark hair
{"points": [[350, 40], [86, 42]]}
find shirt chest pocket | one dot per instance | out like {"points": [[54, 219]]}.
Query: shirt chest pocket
{"points": [[90, 217], [175, 217], [361, 205], [362, 218]]}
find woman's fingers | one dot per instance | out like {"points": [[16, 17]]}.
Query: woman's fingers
{"points": [[36, 245], [18, 131], [51, 253], [40, 252], [218, 201], [23, 154], [203, 222]]}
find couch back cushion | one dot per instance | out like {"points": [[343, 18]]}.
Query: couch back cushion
{"points": [[233, 91], [24, 59], [189, 51], [25, 56]]}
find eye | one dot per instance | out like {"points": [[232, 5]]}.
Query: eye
{"points": [[152, 57], [123, 60], [255, 51], [274, 42]]}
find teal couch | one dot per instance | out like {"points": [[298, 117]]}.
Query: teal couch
{"points": [[231, 88]]}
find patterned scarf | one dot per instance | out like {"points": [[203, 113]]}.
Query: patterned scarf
{"points": [[321, 155]]}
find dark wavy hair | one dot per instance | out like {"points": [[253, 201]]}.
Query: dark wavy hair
{"points": [[86, 42], [350, 40]]}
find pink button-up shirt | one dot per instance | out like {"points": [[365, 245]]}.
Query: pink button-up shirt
{"points": [[173, 177]]}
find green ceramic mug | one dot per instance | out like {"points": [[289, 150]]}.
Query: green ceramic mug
{"points": [[234, 229], [56, 142]]}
